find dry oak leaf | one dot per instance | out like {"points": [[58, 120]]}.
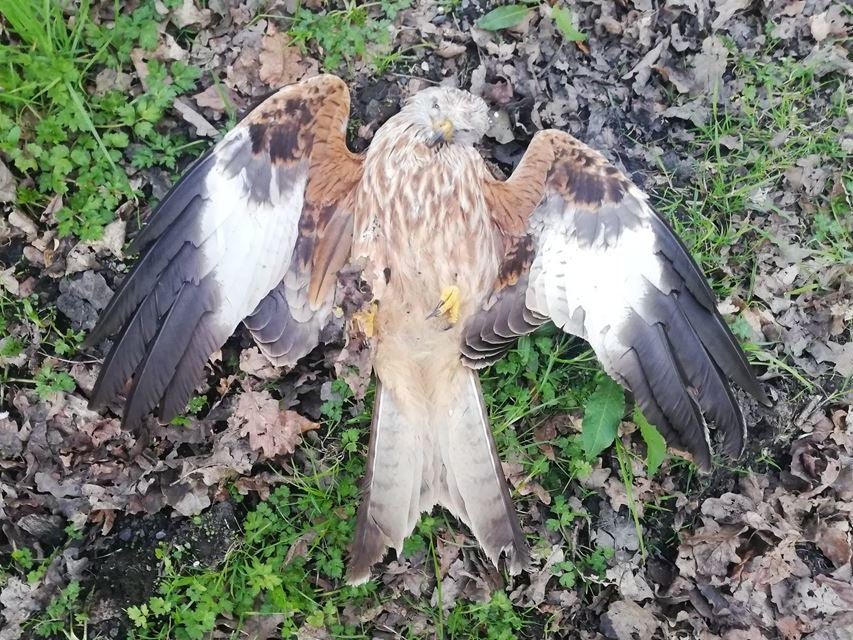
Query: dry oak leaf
{"points": [[832, 22], [282, 63], [270, 430], [626, 620], [19, 600], [818, 597], [214, 98], [752, 633], [780, 562], [193, 117], [834, 543], [709, 65], [8, 187], [519, 479], [710, 551], [188, 14], [726, 9], [253, 362]]}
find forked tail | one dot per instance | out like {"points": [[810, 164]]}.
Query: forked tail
{"points": [[429, 448]]}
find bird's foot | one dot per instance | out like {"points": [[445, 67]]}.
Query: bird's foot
{"points": [[365, 320], [448, 305]]}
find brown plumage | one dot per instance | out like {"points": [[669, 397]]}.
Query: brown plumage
{"points": [[460, 265]]}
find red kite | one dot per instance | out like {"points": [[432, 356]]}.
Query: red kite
{"points": [[460, 263]]}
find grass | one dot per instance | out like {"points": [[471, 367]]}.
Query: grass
{"points": [[68, 143], [26, 328], [356, 31], [745, 150]]}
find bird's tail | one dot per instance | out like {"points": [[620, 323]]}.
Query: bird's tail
{"points": [[434, 447]]}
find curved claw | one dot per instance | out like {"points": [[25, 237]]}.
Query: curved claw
{"points": [[448, 305]]}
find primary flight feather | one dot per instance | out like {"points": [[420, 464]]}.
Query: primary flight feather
{"points": [[460, 265]]}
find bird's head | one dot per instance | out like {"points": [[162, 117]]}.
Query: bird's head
{"points": [[448, 116]]}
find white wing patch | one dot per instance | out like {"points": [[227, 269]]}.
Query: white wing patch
{"points": [[248, 245], [587, 289]]}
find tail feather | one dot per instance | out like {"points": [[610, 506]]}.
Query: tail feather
{"points": [[427, 453], [481, 498], [390, 498]]}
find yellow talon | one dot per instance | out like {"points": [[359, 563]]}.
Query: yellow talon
{"points": [[365, 320], [448, 305]]}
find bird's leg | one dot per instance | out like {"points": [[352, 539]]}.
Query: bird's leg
{"points": [[448, 305]]}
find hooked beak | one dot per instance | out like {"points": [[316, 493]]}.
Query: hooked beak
{"points": [[443, 132]]}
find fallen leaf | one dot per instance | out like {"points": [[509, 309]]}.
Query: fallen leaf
{"points": [[11, 441], [261, 626], [831, 22], [776, 564], [188, 500], [535, 592], [626, 620], [709, 65], [710, 551], [81, 298], [790, 628], [9, 282], [812, 597], [696, 111], [270, 430], [110, 80], [281, 63], [449, 49], [212, 98], [193, 117], [112, 241], [519, 479], [726, 9], [19, 601], [631, 582], [22, 222], [501, 128], [840, 355], [242, 75], [834, 544], [187, 14], [643, 69], [253, 362], [752, 633], [8, 188], [809, 174]]}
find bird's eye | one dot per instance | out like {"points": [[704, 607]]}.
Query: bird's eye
{"points": [[435, 105]]}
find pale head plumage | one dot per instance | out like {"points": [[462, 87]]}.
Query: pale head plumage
{"points": [[448, 115]]}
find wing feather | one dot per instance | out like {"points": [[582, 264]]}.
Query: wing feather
{"points": [[603, 266], [240, 237], [164, 351]]}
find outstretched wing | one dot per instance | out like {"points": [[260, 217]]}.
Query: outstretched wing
{"points": [[585, 249], [255, 230]]}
